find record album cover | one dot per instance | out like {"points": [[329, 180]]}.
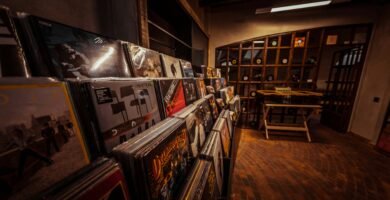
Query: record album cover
{"points": [[124, 109], [171, 66], [70, 52], [201, 87], [212, 151], [12, 57], [166, 164], [204, 112], [171, 95], [187, 68], [201, 183], [195, 127], [190, 92], [221, 126], [41, 142], [210, 89], [144, 62], [213, 106], [227, 94]]}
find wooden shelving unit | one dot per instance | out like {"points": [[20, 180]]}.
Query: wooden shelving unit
{"points": [[286, 59]]}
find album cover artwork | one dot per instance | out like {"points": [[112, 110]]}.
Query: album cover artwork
{"points": [[220, 103], [172, 96], [227, 94], [165, 163], [39, 136], [205, 114], [12, 57], [210, 89], [70, 52], [216, 83], [100, 180], [124, 109], [201, 87], [190, 92], [213, 106], [187, 68], [212, 151], [144, 62], [235, 106], [226, 115], [221, 126], [171, 66], [202, 182]]}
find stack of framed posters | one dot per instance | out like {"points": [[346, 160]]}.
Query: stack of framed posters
{"points": [[213, 106], [190, 91], [202, 182], [201, 87], [171, 96], [12, 58], [156, 168], [40, 137], [195, 127], [124, 108], [103, 180], [187, 68], [212, 151], [144, 62], [222, 128], [227, 94], [171, 66], [59, 50]]}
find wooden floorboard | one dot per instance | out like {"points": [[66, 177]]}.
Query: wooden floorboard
{"points": [[333, 166]]}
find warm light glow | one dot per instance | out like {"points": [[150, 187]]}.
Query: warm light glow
{"points": [[102, 59], [300, 6]]}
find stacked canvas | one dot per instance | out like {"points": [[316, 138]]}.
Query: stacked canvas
{"points": [[144, 62], [12, 57], [156, 162], [41, 142], [201, 184], [172, 98], [102, 180], [212, 151], [62, 51]]}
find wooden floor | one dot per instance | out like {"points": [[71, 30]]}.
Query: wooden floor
{"points": [[333, 166]]}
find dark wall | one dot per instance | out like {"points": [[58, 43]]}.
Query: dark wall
{"points": [[113, 18]]}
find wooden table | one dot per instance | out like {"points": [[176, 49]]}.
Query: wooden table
{"points": [[302, 111]]}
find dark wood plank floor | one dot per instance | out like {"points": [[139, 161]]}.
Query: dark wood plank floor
{"points": [[333, 166]]}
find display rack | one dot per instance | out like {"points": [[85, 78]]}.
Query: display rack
{"points": [[286, 59]]}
